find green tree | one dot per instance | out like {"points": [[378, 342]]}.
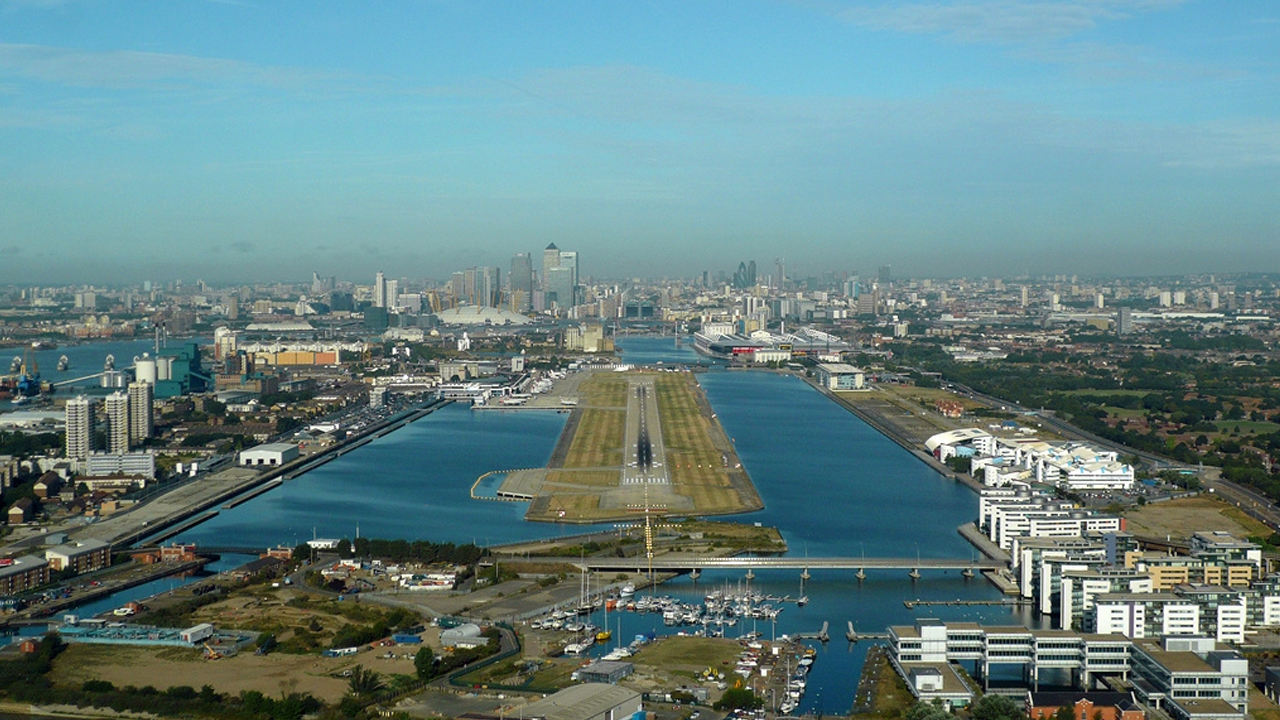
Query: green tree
{"points": [[927, 711], [739, 699], [997, 707], [1064, 713], [424, 663], [364, 682]]}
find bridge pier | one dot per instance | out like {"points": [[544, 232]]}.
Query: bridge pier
{"points": [[861, 574], [968, 573], [750, 575], [914, 574], [805, 574], [694, 574]]}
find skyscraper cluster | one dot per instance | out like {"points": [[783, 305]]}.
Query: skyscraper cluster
{"points": [[559, 278], [129, 421], [478, 286]]}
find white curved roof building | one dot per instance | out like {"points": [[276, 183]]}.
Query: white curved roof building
{"points": [[477, 315]]}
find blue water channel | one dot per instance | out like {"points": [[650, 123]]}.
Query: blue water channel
{"points": [[88, 358], [834, 487]]}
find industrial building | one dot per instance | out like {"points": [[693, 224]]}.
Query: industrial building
{"points": [[269, 455], [174, 373], [589, 701], [839, 376], [606, 671]]}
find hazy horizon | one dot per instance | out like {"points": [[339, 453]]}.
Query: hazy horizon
{"points": [[248, 141]]}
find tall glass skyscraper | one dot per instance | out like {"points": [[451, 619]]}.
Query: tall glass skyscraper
{"points": [[521, 279]]}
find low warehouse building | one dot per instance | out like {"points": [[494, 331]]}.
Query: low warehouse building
{"points": [[589, 701], [269, 455]]}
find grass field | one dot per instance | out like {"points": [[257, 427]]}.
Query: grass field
{"points": [[1247, 426], [691, 455], [1117, 391], [690, 654], [605, 391], [598, 442], [587, 478], [1179, 518], [1126, 413]]}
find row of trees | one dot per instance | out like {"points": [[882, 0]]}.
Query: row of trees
{"points": [[400, 551]]}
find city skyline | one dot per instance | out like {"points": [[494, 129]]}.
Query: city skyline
{"points": [[232, 140]]}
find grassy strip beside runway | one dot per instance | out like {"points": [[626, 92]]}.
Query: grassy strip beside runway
{"points": [[598, 440]]}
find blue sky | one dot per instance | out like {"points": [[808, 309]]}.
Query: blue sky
{"points": [[251, 140]]}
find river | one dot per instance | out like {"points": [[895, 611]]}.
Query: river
{"points": [[833, 485]]}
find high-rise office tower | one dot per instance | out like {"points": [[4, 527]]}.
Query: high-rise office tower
{"points": [[379, 290], [521, 279], [550, 259], [569, 259], [117, 407], [390, 293], [1026, 297], [141, 420], [81, 417], [560, 287], [885, 275]]}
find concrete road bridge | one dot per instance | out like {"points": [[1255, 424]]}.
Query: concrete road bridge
{"points": [[684, 564]]}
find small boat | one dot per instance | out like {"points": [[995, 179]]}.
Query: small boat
{"points": [[64, 363], [802, 601], [603, 636], [627, 591]]}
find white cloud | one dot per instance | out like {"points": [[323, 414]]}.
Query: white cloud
{"points": [[997, 21], [132, 69], [640, 112]]}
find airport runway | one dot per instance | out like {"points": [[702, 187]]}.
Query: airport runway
{"points": [[643, 453]]}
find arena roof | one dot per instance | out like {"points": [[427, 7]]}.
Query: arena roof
{"points": [[475, 315]]}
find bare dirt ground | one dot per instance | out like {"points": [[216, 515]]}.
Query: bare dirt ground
{"points": [[1180, 518], [273, 675], [257, 609]]}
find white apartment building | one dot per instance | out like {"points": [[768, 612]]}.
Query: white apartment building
{"points": [[81, 421], [1143, 615], [117, 407], [1078, 589], [1191, 678], [1076, 466]]}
